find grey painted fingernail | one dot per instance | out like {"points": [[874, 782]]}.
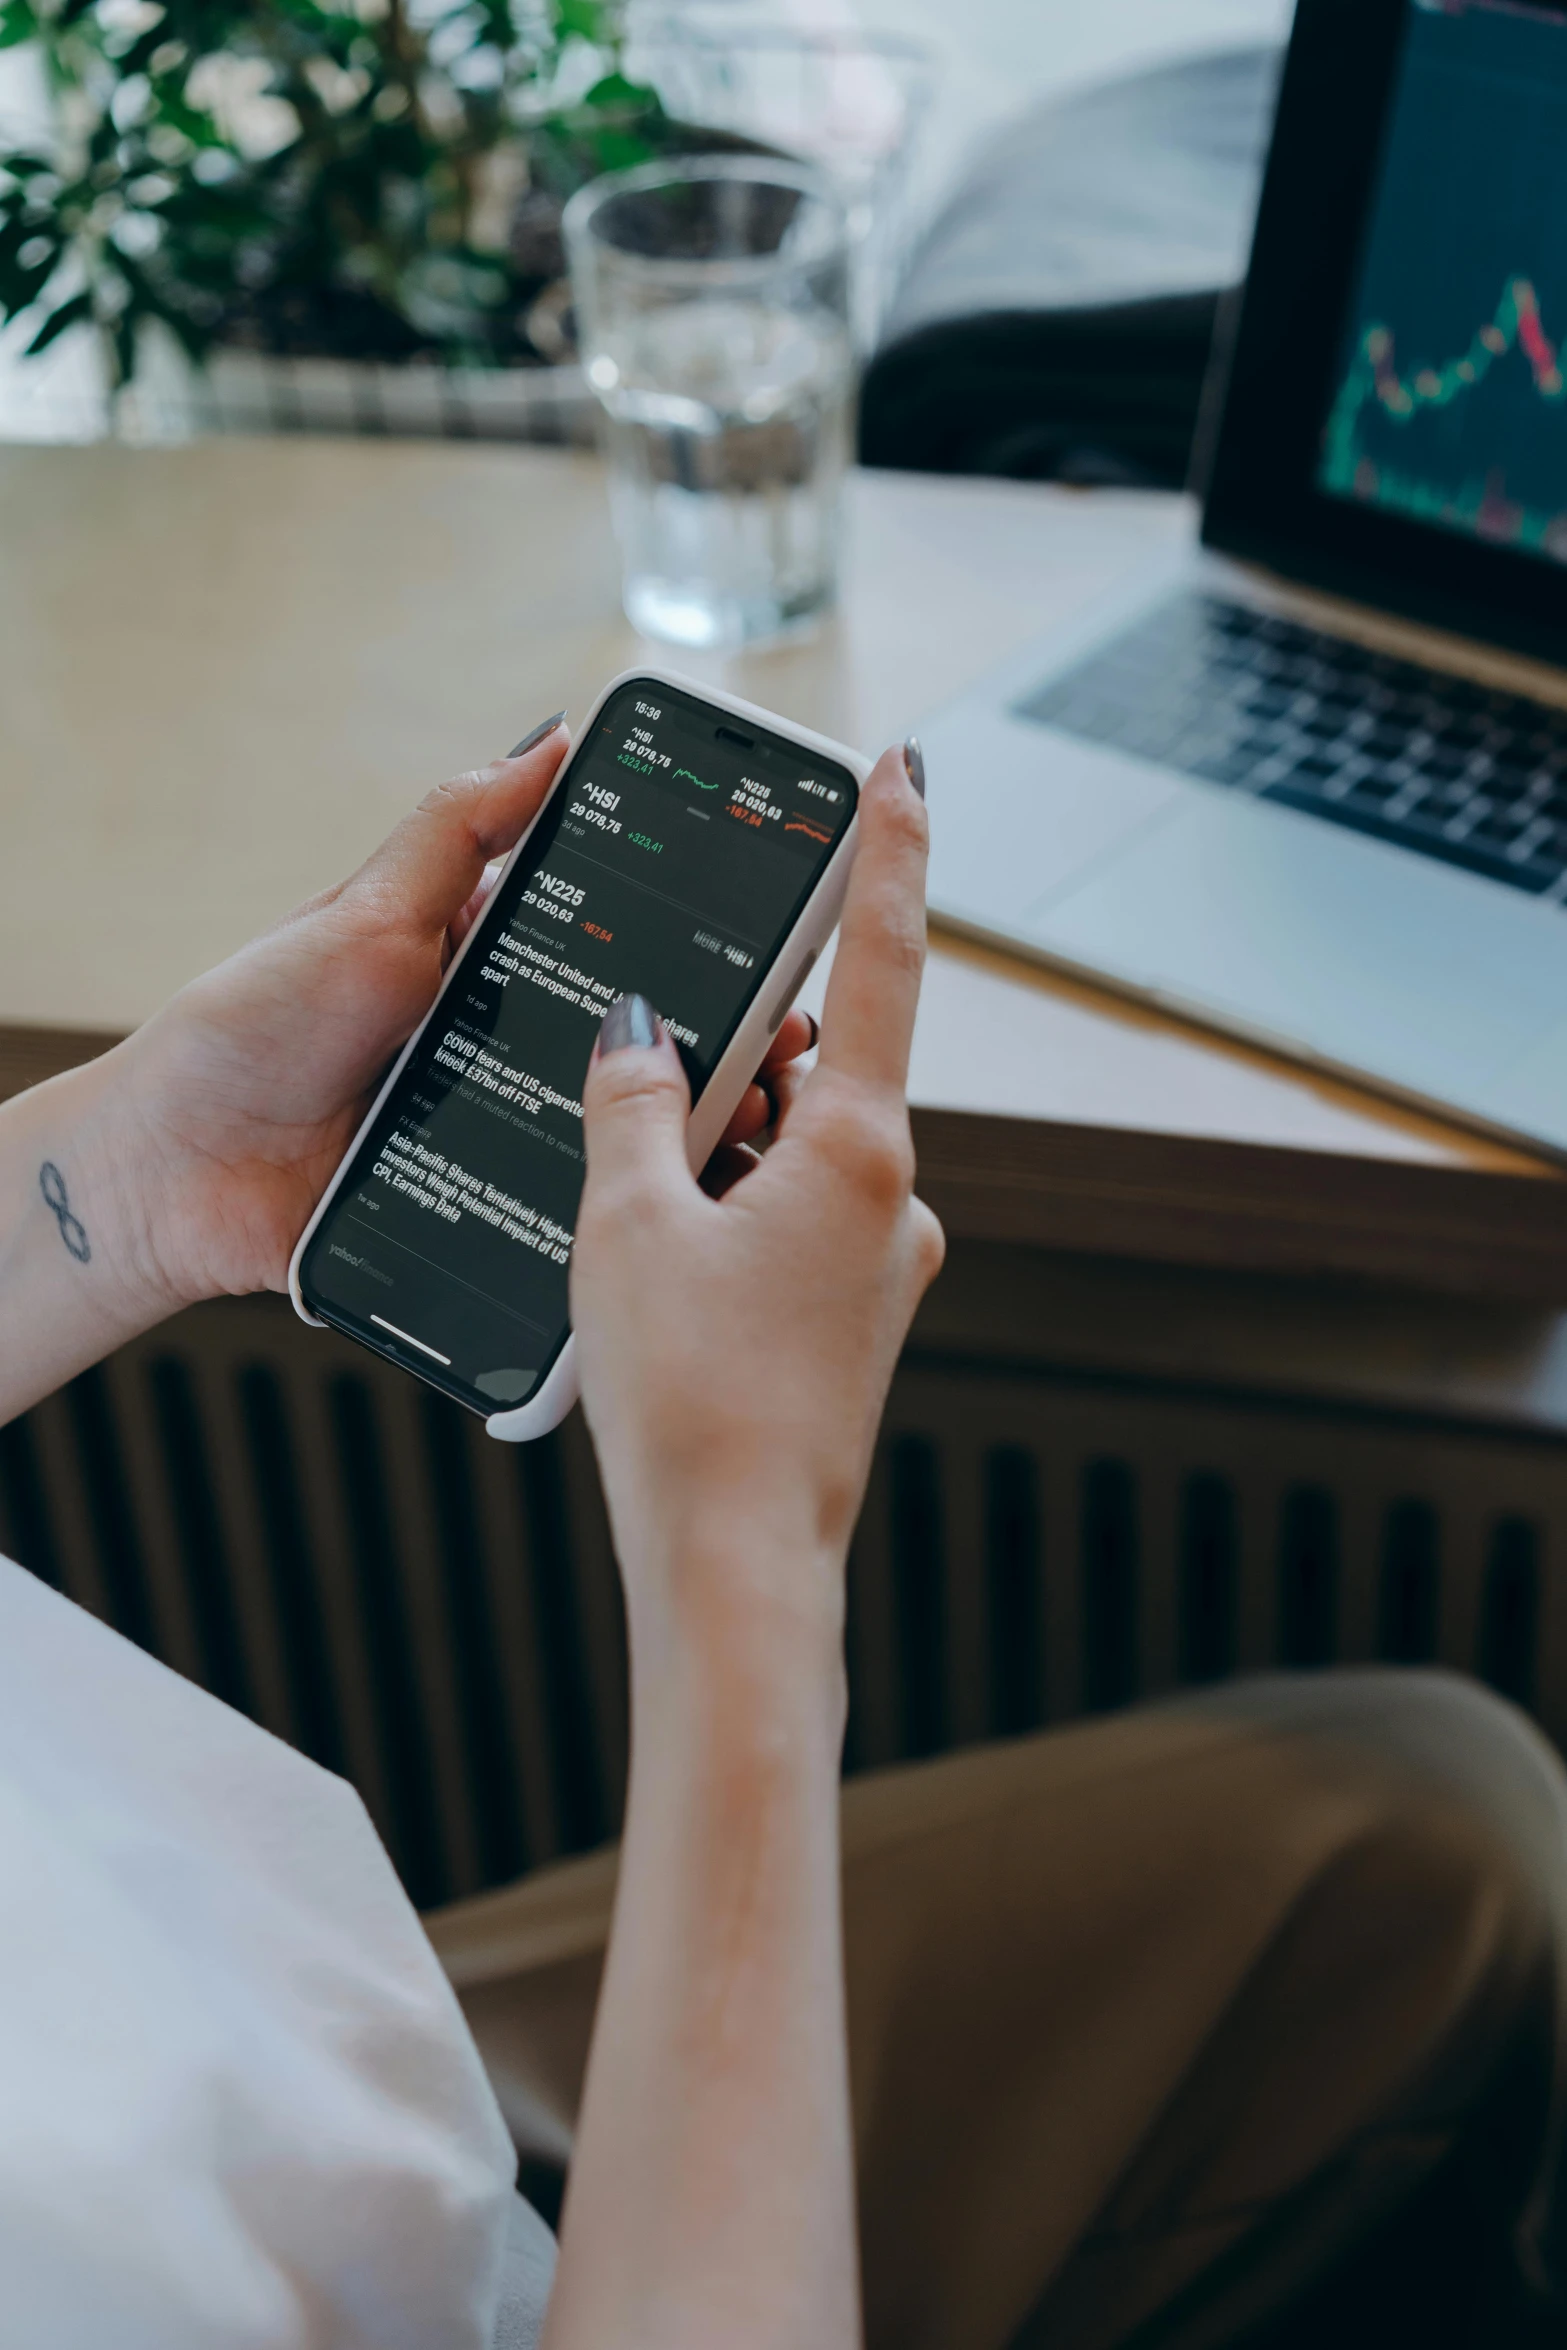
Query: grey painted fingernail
{"points": [[630, 1019], [537, 736], [914, 762]]}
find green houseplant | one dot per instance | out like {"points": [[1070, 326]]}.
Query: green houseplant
{"points": [[371, 180]]}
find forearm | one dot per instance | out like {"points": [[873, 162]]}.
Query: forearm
{"points": [[77, 1276], [712, 2203]]}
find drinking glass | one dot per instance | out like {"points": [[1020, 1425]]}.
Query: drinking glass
{"points": [[712, 299], [851, 104]]}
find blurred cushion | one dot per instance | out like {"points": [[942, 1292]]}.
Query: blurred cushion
{"points": [[1056, 319]]}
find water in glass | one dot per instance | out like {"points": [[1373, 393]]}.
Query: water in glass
{"points": [[727, 424]]}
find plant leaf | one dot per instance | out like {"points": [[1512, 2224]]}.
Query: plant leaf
{"points": [[149, 302], [18, 22], [68, 315], [615, 91], [590, 20], [125, 343], [23, 286], [143, 49]]}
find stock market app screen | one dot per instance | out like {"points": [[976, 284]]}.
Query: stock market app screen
{"points": [[674, 859]]}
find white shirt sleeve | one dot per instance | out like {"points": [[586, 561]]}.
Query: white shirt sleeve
{"points": [[238, 2102]]}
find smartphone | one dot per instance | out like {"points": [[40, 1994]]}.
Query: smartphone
{"points": [[692, 848]]}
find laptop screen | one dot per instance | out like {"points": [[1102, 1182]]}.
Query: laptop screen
{"points": [[1392, 424], [1450, 401]]}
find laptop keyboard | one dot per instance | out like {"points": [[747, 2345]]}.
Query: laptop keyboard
{"points": [[1430, 761]]}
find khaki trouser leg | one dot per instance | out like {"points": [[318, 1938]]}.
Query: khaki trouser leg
{"points": [[1153, 2016]]}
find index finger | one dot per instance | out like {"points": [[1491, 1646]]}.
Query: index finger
{"points": [[868, 1018]]}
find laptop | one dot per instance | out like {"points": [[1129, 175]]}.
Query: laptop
{"points": [[1306, 779]]}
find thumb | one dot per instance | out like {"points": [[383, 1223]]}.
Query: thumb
{"points": [[425, 871], [635, 1104]]}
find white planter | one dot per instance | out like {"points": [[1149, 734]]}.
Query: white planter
{"points": [[247, 391]]}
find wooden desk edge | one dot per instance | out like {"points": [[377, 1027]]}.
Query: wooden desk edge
{"points": [[1169, 1198], [1180, 1199]]}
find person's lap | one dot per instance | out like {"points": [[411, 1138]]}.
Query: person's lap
{"points": [[1152, 2019]]}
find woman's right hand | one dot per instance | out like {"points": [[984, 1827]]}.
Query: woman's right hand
{"points": [[735, 1352]]}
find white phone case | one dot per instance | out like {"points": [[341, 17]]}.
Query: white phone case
{"points": [[737, 1065]]}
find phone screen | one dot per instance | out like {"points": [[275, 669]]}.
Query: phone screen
{"points": [[674, 858]]}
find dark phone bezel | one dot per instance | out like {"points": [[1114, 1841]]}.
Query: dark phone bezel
{"points": [[1278, 374], [342, 1319]]}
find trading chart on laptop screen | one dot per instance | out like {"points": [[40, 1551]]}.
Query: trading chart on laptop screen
{"points": [[1450, 404]]}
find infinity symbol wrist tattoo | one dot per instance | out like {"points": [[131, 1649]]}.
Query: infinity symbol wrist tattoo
{"points": [[58, 1201]]}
